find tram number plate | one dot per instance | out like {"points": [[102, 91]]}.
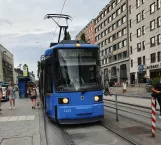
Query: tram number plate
{"points": [[67, 110]]}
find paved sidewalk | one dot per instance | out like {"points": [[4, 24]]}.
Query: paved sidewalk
{"points": [[22, 125]]}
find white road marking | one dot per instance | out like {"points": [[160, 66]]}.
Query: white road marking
{"points": [[30, 117], [3, 119], [17, 118]]}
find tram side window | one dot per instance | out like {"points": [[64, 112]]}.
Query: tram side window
{"points": [[48, 79]]}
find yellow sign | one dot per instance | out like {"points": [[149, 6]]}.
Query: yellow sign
{"points": [[25, 70]]}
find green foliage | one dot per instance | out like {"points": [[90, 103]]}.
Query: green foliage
{"points": [[83, 38], [154, 81], [68, 37]]}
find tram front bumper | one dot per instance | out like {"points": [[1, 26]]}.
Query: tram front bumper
{"points": [[80, 114]]}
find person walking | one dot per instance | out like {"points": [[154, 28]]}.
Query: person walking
{"points": [[32, 93], [124, 88], [1, 94], [12, 96], [157, 90]]}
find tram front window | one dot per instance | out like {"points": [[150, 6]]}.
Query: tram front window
{"points": [[76, 70]]}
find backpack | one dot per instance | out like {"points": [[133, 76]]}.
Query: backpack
{"points": [[33, 93]]}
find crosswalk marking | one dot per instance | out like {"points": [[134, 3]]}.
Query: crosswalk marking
{"points": [[17, 118]]}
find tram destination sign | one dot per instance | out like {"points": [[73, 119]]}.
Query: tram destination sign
{"points": [[66, 53], [154, 66]]}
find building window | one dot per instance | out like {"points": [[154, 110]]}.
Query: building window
{"points": [[123, 7], [118, 11], [152, 8], [131, 49], [138, 18], [110, 59], [152, 42], [124, 31], [114, 26], [139, 60], [130, 36], [119, 34], [143, 60], [118, 1], [109, 29], [130, 23], [115, 57], [143, 30], [102, 61], [110, 39], [138, 47], [137, 3], [114, 37], [125, 54], [119, 56], [158, 4], [124, 43], [152, 25], [153, 58], [119, 45], [159, 21], [143, 44], [143, 15], [159, 39], [113, 4], [139, 32], [142, 1], [114, 15], [159, 56], [130, 9], [109, 19], [131, 63], [119, 23], [124, 19]]}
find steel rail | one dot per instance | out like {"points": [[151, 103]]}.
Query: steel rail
{"points": [[133, 119], [123, 137]]}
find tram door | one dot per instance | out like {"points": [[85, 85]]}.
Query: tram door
{"points": [[48, 86]]}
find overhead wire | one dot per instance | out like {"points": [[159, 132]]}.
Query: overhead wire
{"points": [[59, 17]]}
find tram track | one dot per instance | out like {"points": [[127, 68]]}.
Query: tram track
{"points": [[138, 120], [121, 136]]}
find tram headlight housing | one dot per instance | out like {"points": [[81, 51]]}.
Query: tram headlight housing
{"points": [[97, 98], [63, 100]]}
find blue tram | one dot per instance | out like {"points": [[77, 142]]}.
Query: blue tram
{"points": [[70, 83]]}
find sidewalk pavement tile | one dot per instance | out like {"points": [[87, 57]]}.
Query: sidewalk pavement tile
{"points": [[20, 125]]}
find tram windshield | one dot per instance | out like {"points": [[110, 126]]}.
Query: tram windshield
{"points": [[76, 69]]}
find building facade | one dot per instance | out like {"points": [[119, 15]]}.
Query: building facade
{"points": [[6, 65], [88, 30], [17, 72], [111, 34], [145, 39]]}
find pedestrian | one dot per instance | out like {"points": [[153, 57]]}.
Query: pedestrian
{"points": [[157, 90], [12, 95], [1, 94], [32, 93], [124, 88]]}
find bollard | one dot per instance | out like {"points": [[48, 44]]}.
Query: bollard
{"points": [[116, 108], [153, 117]]}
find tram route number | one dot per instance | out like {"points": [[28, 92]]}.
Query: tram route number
{"points": [[67, 110]]}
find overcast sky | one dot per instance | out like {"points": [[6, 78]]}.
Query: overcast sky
{"points": [[24, 32]]}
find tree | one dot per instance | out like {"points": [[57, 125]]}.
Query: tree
{"points": [[68, 37], [38, 68], [83, 38]]}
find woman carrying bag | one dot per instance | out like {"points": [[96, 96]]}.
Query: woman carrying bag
{"points": [[31, 91]]}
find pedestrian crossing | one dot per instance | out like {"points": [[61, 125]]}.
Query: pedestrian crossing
{"points": [[17, 118]]}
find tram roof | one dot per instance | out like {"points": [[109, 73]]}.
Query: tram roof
{"points": [[67, 46]]}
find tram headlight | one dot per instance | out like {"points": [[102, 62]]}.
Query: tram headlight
{"points": [[97, 98], [63, 100]]}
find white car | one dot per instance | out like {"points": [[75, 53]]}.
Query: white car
{"points": [[4, 97]]}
